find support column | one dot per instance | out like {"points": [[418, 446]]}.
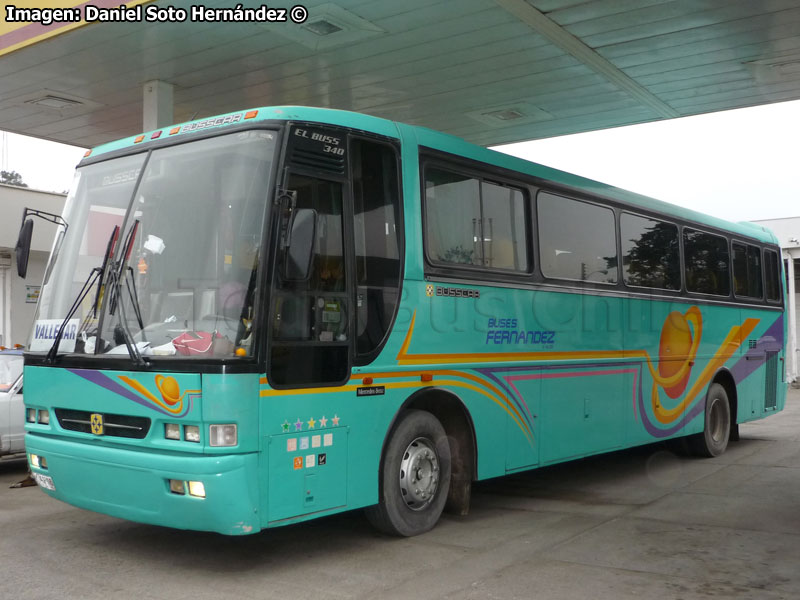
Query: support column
{"points": [[157, 105]]}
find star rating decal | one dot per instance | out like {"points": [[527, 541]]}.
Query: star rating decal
{"points": [[312, 423]]}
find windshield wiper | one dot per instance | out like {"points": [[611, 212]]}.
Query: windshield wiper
{"points": [[122, 271], [97, 274]]}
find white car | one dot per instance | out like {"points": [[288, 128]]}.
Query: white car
{"points": [[12, 410]]}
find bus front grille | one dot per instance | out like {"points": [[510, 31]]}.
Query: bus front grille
{"points": [[124, 426]]}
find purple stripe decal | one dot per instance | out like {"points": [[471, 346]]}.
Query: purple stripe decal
{"points": [[491, 373], [488, 373], [772, 340], [649, 426], [98, 378], [661, 433]]}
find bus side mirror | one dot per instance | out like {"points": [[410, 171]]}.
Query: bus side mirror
{"points": [[23, 247], [300, 250]]}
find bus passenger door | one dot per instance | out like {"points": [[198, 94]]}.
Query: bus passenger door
{"points": [[311, 327]]}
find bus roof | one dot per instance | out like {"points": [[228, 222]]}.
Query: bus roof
{"points": [[445, 143]]}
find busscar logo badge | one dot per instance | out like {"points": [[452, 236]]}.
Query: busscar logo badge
{"points": [[96, 421], [429, 291]]}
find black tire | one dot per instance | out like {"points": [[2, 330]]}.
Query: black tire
{"points": [[414, 476], [717, 429]]}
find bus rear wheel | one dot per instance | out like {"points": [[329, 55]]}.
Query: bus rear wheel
{"points": [[414, 476], [714, 439]]}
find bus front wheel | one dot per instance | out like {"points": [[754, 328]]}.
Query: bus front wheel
{"points": [[414, 476], [714, 439]]}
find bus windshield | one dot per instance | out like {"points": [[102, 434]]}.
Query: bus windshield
{"points": [[181, 281]]}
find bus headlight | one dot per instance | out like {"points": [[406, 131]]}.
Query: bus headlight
{"points": [[197, 489], [223, 435], [30, 415], [191, 433], [172, 431], [44, 417]]}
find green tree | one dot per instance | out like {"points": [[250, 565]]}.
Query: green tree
{"points": [[12, 178]]}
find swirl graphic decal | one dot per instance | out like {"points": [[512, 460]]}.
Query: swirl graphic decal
{"points": [[171, 401]]}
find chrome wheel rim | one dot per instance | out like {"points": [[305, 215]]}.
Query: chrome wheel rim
{"points": [[419, 474]]}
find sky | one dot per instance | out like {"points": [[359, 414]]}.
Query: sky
{"points": [[739, 165], [43, 165]]}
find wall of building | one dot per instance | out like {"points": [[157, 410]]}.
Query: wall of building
{"points": [[16, 311]]}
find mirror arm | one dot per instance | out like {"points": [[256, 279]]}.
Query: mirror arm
{"points": [[23, 246], [51, 217], [287, 201]]}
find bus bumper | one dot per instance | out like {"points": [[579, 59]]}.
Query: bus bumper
{"points": [[135, 485]]}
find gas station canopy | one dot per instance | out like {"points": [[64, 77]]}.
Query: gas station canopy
{"points": [[490, 71]]}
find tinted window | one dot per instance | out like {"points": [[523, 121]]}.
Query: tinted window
{"points": [[650, 253], [503, 228], [773, 277], [577, 240], [746, 270], [376, 222], [706, 258], [473, 222], [452, 212]]}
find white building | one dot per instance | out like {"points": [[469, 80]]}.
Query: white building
{"points": [[788, 232], [18, 296]]}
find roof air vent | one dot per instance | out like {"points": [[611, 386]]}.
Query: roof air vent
{"points": [[322, 27], [56, 102], [509, 115]]}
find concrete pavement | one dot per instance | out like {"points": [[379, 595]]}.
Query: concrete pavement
{"points": [[641, 523]]}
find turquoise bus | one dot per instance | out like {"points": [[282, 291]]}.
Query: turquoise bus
{"points": [[273, 315]]}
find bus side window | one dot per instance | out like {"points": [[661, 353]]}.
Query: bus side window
{"points": [[576, 239], [772, 276], [650, 252], [707, 263], [471, 222], [746, 270]]}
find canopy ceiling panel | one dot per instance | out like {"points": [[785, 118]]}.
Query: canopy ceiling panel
{"points": [[491, 71]]}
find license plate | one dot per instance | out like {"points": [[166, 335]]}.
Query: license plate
{"points": [[45, 481]]}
